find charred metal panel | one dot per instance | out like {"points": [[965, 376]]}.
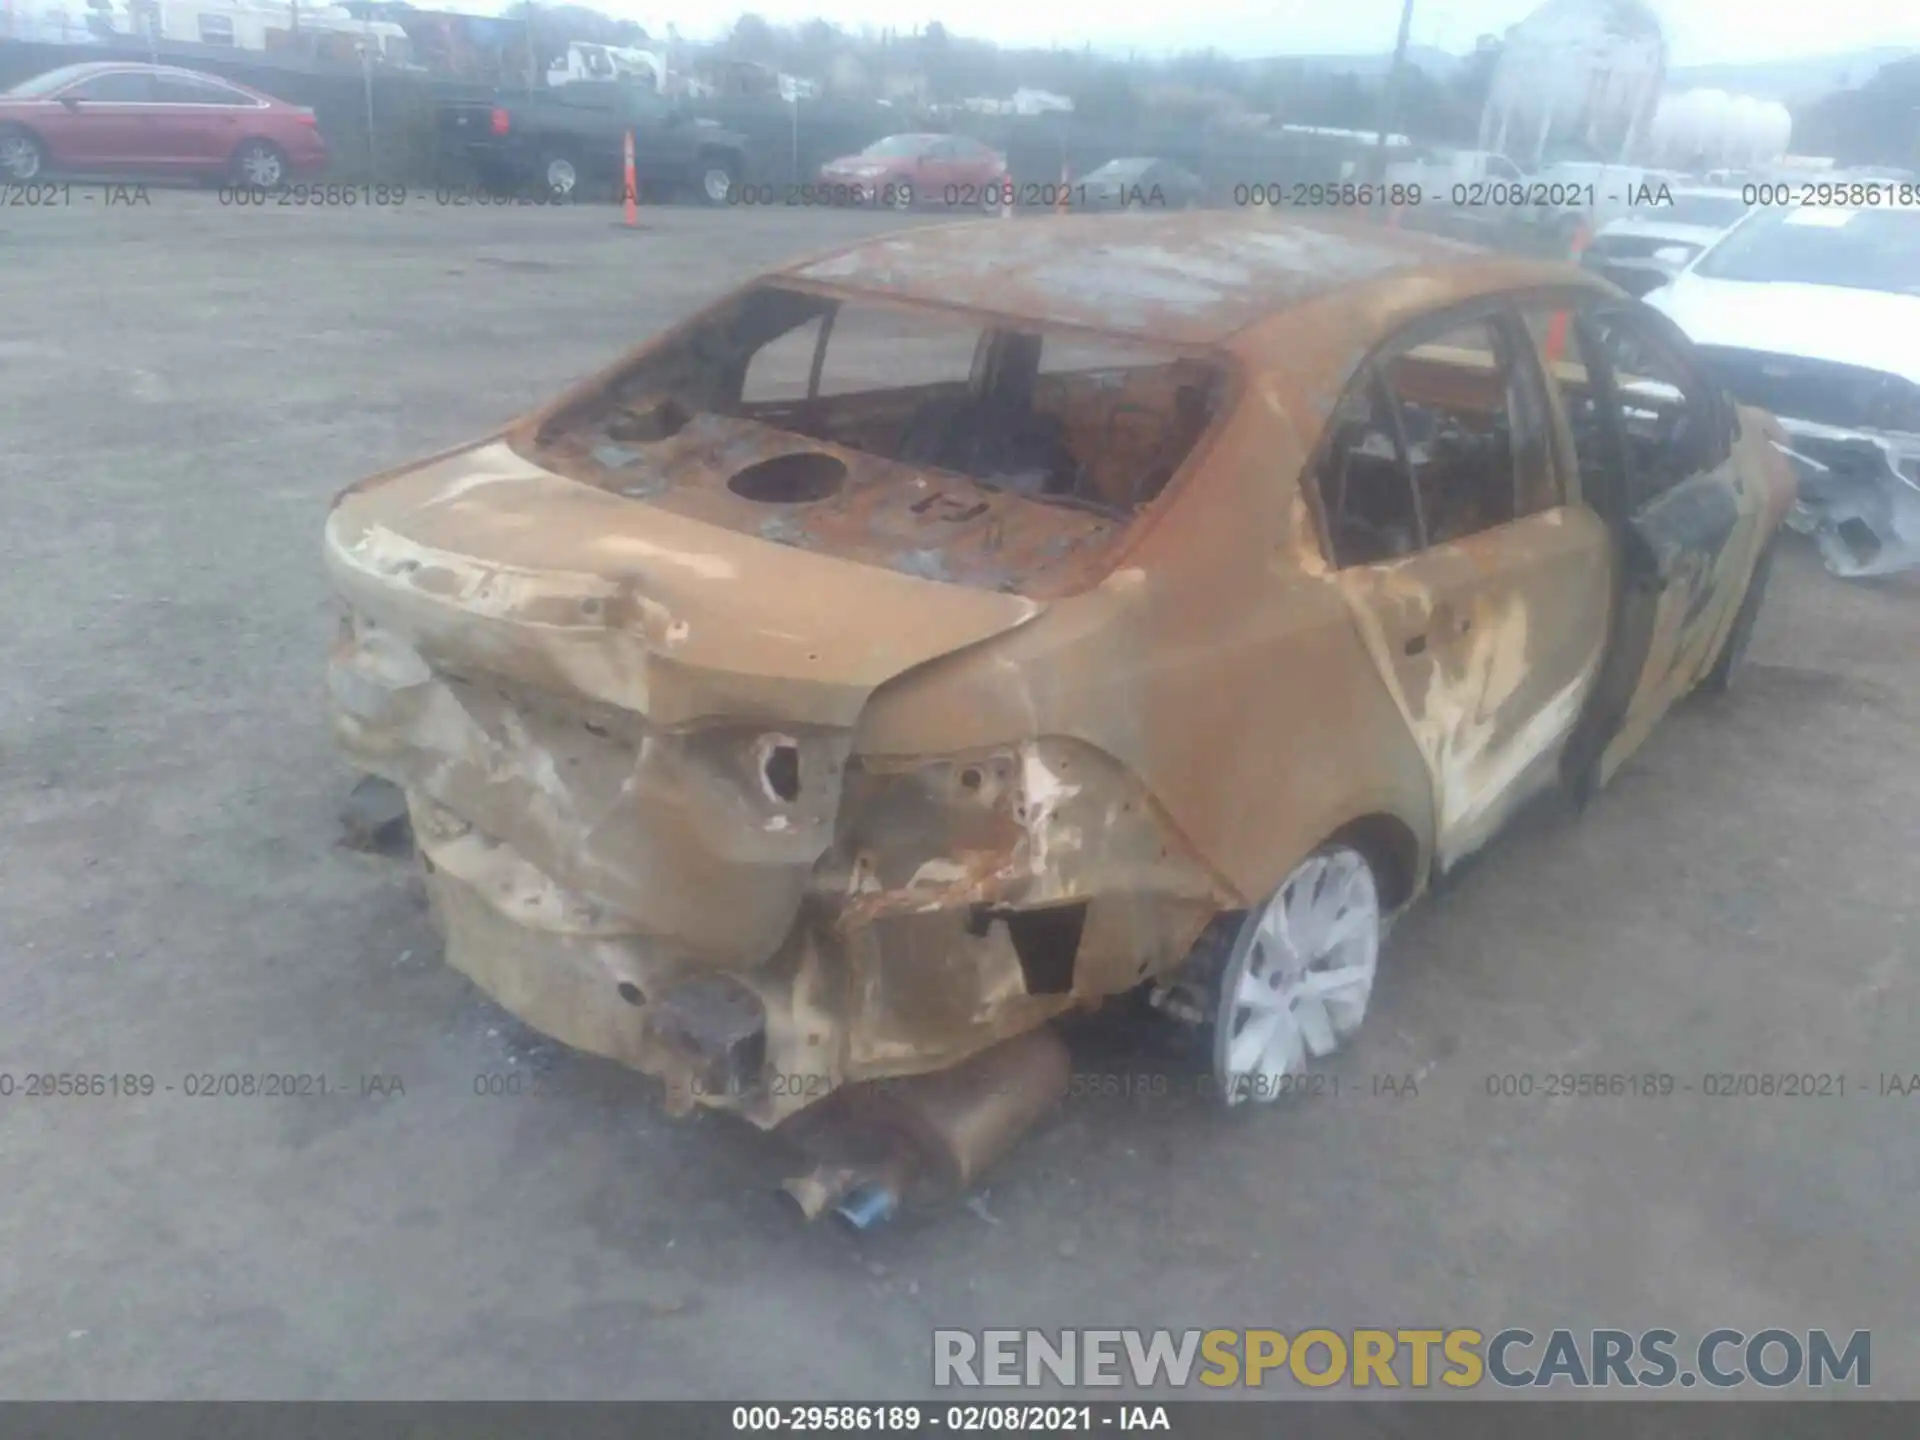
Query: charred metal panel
{"points": [[1192, 277], [1688, 526], [1490, 646], [715, 1028], [1859, 496], [489, 564]]}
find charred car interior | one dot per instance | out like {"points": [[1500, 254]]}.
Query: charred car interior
{"points": [[818, 702], [937, 465]]}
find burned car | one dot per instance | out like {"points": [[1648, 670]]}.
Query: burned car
{"points": [[1813, 312], [985, 620]]}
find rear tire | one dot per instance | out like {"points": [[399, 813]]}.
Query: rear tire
{"points": [[557, 177], [260, 165], [22, 157], [717, 177], [1297, 980]]}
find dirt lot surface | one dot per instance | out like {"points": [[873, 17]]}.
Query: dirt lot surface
{"points": [[186, 385]]}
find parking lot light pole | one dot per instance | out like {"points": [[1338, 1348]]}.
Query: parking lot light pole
{"points": [[531, 63], [1390, 100], [366, 80]]}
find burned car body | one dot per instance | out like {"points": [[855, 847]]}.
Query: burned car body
{"points": [[946, 632], [1814, 313]]}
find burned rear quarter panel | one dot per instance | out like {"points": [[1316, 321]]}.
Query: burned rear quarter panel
{"points": [[1219, 661]]}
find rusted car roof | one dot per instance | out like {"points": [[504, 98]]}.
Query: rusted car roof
{"points": [[1192, 278]]}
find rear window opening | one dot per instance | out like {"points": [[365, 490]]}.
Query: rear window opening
{"points": [[893, 434]]}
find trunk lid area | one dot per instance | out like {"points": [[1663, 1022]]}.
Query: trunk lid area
{"points": [[651, 711]]}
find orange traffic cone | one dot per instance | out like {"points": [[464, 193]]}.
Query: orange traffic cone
{"points": [[1582, 237], [1557, 327]]}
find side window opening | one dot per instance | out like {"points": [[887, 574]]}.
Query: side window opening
{"points": [[1665, 414], [186, 90], [1367, 494], [780, 371], [122, 87], [1565, 353], [1441, 437], [1477, 436], [1538, 482]]}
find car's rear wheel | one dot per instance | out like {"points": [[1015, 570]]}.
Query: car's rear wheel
{"points": [[902, 194], [719, 177], [22, 156], [1720, 679], [559, 175], [1297, 980], [260, 164]]}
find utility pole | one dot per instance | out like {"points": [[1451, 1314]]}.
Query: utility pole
{"points": [[531, 63], [1390, 101]]}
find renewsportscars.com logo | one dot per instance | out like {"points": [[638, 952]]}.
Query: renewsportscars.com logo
{"points": [[1459, 1359]]}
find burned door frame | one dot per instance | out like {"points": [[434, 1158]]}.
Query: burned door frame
{"points": [[1673, 546], [1469, 633]]}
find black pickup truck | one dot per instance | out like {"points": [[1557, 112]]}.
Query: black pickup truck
{"points": [[563, 140]]}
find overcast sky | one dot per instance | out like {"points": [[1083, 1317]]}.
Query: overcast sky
{"points": [[1699, 31]]}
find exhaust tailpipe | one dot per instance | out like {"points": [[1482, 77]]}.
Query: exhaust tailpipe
{"points": [[867, 1206], [940, 1131]]}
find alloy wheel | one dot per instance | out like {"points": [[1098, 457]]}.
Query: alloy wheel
{"points": [[19, 157], [1299, 976]]}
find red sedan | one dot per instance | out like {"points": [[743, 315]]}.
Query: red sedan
{"points": [[908, 170], [111, 118]]}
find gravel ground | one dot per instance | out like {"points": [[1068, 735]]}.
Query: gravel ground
{"points": [[185, 385]]}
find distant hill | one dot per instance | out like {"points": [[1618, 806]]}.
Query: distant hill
{"points": [[1793, 81], [1790, 81]]}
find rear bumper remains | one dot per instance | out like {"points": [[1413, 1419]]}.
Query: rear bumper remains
{"points": [[765, 1045], [645, 828], [594, 980], [882, 966]]}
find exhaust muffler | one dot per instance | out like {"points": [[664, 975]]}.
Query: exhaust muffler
{"points": [[931, 1134]]}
